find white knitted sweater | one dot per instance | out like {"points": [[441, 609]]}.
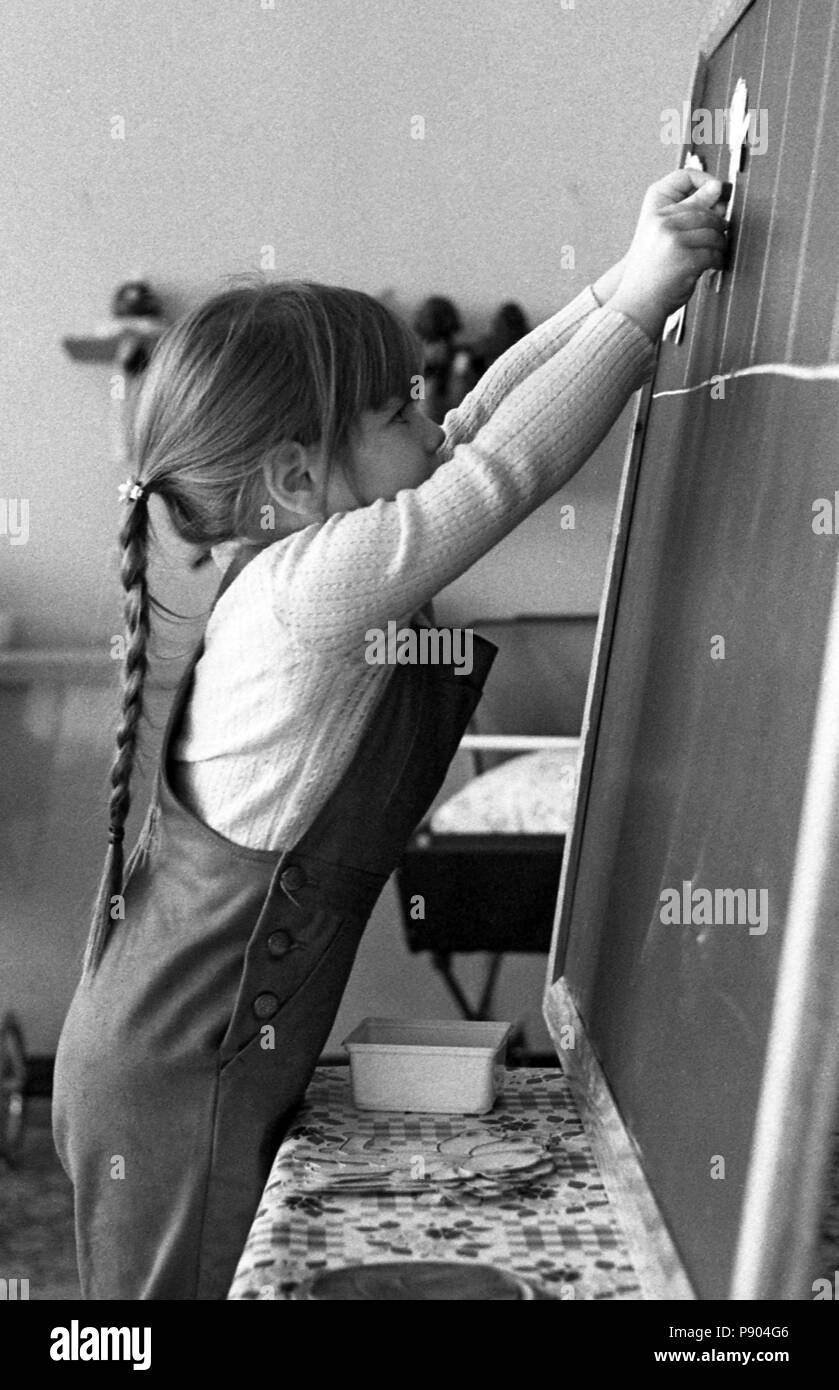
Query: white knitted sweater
{"points": [[282, 690]]}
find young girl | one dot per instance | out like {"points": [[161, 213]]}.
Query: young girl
{"points": [[277, 425]]}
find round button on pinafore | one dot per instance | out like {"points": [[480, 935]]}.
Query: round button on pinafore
{"points": [[279, 943], [266, 1005], [293, 878]]}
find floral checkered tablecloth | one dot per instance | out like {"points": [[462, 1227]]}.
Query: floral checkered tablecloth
{"points": [[353, 1186]]}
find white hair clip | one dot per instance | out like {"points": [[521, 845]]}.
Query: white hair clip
{"points": [[131, 490]]}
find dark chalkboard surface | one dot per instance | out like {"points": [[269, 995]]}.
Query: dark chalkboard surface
{"points": [[711, 749]]}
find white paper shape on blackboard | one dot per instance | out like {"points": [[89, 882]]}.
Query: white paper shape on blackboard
{"points": [[737, 130]]}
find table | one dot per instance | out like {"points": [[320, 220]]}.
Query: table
{"points": [[556, 1228]]}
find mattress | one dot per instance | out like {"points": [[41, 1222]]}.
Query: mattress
{"points": [[529, 795]]}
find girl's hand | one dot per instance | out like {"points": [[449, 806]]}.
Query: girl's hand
{"points": [[681, 233]]}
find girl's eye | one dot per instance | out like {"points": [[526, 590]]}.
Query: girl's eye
{"points": [[402, 414]]}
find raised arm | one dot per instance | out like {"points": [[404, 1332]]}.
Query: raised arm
{"points": [[507, 371], [330, 583], [364, 567]]}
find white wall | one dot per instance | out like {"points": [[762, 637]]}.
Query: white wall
{"points": [[289, 126]]}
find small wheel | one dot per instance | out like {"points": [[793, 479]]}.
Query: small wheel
{"points": [[13, 1073]]}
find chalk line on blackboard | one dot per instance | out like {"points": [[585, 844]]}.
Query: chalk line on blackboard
{"points": [[827, 371]]}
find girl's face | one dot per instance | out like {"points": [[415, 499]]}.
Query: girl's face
{"points": [[394, 448]]}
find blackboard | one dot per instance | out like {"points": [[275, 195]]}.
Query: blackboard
{"points": [[710, 740]]}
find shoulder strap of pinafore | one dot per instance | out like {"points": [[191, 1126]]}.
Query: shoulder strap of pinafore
{"points": [[234, 569], [173, 721]]}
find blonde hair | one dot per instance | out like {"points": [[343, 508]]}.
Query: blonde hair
{"points": [[253, 365]]}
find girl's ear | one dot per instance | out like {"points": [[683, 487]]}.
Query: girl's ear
{"points": [[293, 477]]}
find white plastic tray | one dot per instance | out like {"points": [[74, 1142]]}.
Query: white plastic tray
{"points": [[428, 1065]]}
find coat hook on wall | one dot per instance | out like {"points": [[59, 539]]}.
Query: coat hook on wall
{"points": [[128, 335], [125, 340]]}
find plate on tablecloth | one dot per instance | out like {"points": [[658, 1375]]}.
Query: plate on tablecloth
{"points": [[415, 1281]]}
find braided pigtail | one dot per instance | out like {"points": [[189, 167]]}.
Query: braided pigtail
{"points": [[134, 543]]}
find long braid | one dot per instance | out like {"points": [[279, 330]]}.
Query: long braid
{"points": [[134, 543]]}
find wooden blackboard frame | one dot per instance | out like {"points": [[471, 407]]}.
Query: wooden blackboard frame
{"points": [[779, 1213], [722, 18]]}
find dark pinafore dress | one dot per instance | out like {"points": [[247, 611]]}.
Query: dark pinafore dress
{"points": [[182, 1059]]}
